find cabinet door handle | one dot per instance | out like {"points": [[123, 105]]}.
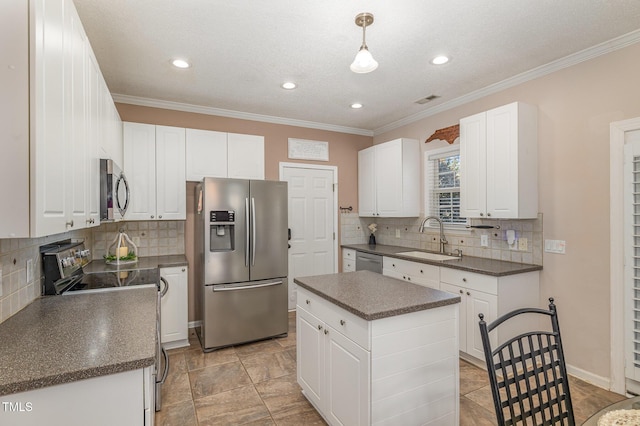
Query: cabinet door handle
{"points": [[409, 278], [342, 322], [421, 271], [393, 264], [319, 327], [468, 294], [160, 217], [464, 280], [308, 301], [326, 331], [481, 214], [461, 292], [152, 216], [183, 269], [488, 214], [69, 224]]}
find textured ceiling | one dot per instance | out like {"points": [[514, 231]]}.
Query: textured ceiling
{"points": [[242, 50]]}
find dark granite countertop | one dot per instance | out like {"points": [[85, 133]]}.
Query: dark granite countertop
{"points": [[148, 262], [61, 339], [373, 296], [480, 265]]}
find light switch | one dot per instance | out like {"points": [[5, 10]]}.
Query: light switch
{"points": [[484, 240], [555, 246]]}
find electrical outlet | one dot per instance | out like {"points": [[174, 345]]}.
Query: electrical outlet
{"points": [[523, 244], [397, 233], [29, 270], [484, 240]]}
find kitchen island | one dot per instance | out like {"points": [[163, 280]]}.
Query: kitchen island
{"points": [[373, 349], [80, 359]]}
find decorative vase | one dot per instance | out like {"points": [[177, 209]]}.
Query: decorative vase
{"points": [[372, 240]]}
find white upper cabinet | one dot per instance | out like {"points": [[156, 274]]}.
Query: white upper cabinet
{"points": [[50, 116], [154, 163], [206, 154], [245, 156], [14, 119], [499, 163], [219, 154], [171, 189], [389, 179]]}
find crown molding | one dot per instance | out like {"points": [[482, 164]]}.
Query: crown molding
{"points": [[568, 61], [177, 106]]}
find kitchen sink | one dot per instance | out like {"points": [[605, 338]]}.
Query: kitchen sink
{"points": [[429, 256]]}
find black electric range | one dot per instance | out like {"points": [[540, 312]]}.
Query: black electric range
{"points": [[63, 273]]}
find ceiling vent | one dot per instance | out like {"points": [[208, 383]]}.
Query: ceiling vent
{"points": [[427, 99]]}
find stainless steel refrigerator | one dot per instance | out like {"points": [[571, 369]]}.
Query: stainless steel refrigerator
{"points": [[241, 260]]}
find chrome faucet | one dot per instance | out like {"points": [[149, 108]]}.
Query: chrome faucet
{"points": [[443, 240]]}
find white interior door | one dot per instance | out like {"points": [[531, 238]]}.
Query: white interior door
{"points": [[312, 221]]}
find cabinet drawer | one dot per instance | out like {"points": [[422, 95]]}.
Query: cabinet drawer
{"points": [[470, 280], [415, 269], [312, 303], [349, 254], [348, 265], [351, 326]]}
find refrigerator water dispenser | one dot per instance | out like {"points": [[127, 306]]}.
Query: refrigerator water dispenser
{"points": [[221, 230]]}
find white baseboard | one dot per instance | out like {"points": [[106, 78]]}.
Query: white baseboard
{"points": [[594, 379], [195, 324]]}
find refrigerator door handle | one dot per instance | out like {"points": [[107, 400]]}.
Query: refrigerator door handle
{"points": [[248, 287], [253, 220], [246, 246]]}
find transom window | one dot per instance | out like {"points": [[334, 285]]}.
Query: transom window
{"points": [[442, 172]]}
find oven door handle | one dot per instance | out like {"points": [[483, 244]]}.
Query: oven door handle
{"points": [[165, 373], [166, 287]]}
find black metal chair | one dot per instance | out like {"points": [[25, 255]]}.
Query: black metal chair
{"points": [[527, 373]]}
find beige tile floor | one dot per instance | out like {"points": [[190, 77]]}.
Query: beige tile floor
{"points": [[255, 384]]}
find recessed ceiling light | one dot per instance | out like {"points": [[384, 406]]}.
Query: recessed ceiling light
{"points": [[289, 85], [356, 105], [180, 63], [439, 60]]}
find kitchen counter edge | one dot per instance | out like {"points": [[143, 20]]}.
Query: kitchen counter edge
{"points": [[480, 265], [28, 364], [335, 288]]}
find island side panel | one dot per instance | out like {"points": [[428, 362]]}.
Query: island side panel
{"points": [[415, 368]]}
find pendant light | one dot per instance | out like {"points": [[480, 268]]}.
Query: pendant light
{"points": [[364, 62]]}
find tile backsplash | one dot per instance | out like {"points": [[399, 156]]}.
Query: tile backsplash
{"points": [[354, 231], [153, 238]]}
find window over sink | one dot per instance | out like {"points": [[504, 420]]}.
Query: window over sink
{"points": [[442, 186]]}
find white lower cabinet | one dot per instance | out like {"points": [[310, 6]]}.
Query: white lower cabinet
{"points": [[395, 370], [174, 310], [493, 297], [116, 399], [414, 272], [333, 371], [348, 260]]}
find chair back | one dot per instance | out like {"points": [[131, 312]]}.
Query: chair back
{"points": [[527, 373]]}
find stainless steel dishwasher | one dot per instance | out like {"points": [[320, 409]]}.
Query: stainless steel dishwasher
{"points": [[368, 262]]}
